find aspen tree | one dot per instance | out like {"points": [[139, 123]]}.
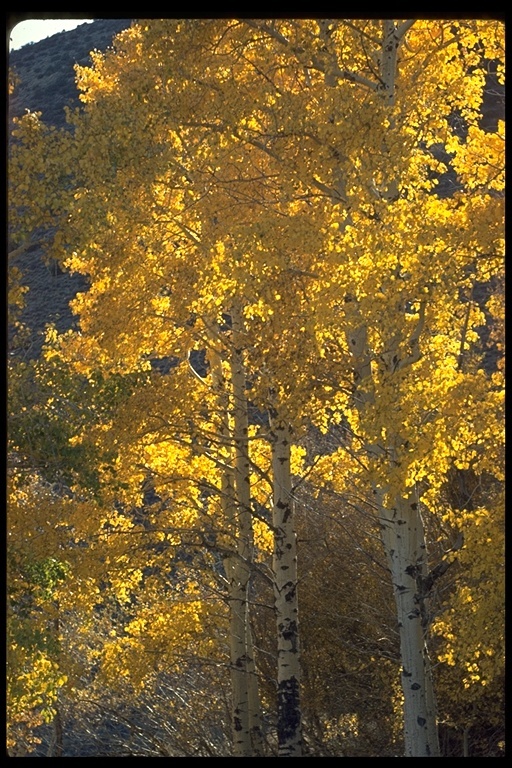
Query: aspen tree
{"points": [[398, 510], [287, 167], [236, 500]]}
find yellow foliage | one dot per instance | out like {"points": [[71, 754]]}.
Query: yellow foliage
{"points": [[472, 627], [219, 164]]}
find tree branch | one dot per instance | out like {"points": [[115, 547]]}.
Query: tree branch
{"points": [[22, 249], [404, 28]]}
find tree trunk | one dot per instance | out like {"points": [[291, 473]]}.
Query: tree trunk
{"points": [[57, 745], [238, 585], [285, 592], [244, 519], [255, 715], [246, 709], [403, 537], [465, 742], [234, 568]]}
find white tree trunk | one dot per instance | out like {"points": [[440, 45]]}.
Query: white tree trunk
{"points": [[402, 530], [285, 592], [236, 570], [402, 534], [244, 520], [403, 538]]}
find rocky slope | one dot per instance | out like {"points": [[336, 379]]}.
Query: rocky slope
{"points": [[46, 83], [45, 69]]}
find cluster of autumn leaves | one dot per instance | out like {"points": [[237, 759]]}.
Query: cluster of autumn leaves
{"points": [[254, 204]]}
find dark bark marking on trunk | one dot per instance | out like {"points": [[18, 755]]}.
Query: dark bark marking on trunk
{"points": [[289, 633], [290, 595], [415, 687], [285, 515], [421, 721], [289, 710]]}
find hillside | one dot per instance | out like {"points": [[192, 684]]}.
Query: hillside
{"points": [[45, 69], [46, 83]]}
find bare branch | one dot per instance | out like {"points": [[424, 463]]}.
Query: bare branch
{"points": [[404, 28], [22, 249]]}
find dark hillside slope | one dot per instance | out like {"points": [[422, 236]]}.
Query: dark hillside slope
{"points": [[46, 83], [45, 69]]}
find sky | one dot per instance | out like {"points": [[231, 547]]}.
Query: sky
{"points": [[33, 30]]}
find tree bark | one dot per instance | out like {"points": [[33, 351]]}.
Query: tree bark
{"points": [[402, 534], [403, 539], [235, 572], [57, 744], [244, 519], [289, 728], [236, 500]]}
